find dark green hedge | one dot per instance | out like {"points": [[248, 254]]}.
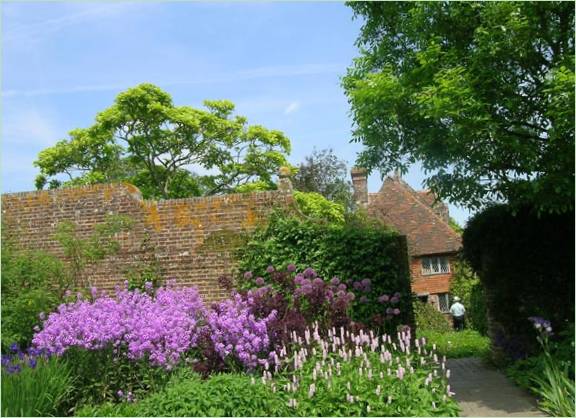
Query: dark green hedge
{"points": [[526, 264], [357, 249]]}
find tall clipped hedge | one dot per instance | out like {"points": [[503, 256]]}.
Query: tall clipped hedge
{"points": [[526, 264], [353, 250]]}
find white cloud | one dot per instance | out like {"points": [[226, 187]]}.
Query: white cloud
{"points": [[16, 33], [248, 74], [292, 107]]}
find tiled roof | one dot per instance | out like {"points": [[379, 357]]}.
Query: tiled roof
{"points": [[408, 211]]}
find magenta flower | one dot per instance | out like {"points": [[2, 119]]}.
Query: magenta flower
{"points": [[270, 269], [291, 268], [260, 281], [383, 299], [248, 275], [335, 281]]}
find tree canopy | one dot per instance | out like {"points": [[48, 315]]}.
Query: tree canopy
{"points": [[324, 173], [143, 138], [481, 93]]}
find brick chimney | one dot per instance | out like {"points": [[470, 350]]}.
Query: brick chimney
{"points": [[360, 185]]}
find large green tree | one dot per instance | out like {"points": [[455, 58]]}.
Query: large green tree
{"points": [[146, 140], [481, 93]]}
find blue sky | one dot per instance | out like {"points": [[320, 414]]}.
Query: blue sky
{"points": [[280, 63]]}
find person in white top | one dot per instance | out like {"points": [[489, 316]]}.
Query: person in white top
{"points": [[457, 311]]}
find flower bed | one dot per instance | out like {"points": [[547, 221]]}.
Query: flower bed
{"points": [[291, 332]]}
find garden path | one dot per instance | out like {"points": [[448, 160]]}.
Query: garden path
{"points": [[485, 392]]}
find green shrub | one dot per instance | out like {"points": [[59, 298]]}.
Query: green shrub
{"points": [[40, 391], [526, 264], [317, 206], [467, 286], [352, 251], [428, 318], [30, 285], [219, 395], [467, 343], [99, 374]]}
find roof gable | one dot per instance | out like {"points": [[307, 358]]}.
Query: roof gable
{"points": [[410, 212]]}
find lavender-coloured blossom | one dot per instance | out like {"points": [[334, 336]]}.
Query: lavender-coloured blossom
{"points": [[396, 311], [395, 299], [161, 327], [541, 324], [335, 281], [383, 298], [357, 285], [363, 299], [260, 281], [248, 275], [366, 285], [270, 269], [291, 268], [318, 282], [342, 286], [310, 273], [237, 333]]}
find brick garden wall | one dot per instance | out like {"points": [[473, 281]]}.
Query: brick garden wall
{"points": [[192, 239]]}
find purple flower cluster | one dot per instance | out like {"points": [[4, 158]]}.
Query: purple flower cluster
{"points": [[237, 333], [161, 327], [14, 361], [542, 325]]}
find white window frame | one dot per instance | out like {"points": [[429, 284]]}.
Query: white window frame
{"points": [[434, 265], [447, 296]]}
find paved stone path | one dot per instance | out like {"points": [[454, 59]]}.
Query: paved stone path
{"points": [[485, 392]]}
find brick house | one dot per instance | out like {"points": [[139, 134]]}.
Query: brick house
{"points": [[432, 243]]}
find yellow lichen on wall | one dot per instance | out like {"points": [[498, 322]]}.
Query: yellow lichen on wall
{"points": [[250, 220], [108, 192], [152, 217], [182, 214]]}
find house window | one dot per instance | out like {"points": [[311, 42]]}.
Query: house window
{"points": [[443, 302], [435, 265]]}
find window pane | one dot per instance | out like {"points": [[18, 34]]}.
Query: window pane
{"points": [[426, 266], [436, 265], [444, 266], [443, 302]]}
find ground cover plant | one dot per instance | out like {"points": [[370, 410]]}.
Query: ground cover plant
{"points": [[452, 344], [342, 374]]}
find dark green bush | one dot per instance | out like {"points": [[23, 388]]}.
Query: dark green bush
{"points": [[354, 250], [428, 318], [526, 264]]}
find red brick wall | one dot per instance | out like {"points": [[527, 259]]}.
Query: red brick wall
{"points": [[192, 239], [435, 283]]}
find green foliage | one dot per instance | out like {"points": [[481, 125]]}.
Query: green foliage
{"points": [[428, 318], [549, 375], [146, 140], [317, 206], [482, 93], [36, 392], [467, 343], [355, 250], [467, 286], [31, 283], [324, 173], [99, 375], [217, 396], [526, 265]]}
